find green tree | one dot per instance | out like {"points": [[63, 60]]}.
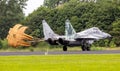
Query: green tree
{"points": [[53, 3], [116, 32], [11, 12], [34, 21]]}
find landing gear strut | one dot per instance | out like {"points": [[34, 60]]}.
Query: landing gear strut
{"points": [[85, 47], [88, 48], [64, 48]]}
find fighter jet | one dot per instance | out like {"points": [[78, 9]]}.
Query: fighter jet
{"points": [[71, 38]]}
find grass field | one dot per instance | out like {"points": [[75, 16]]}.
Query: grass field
{"points": [[82, 62], [31, 49]]}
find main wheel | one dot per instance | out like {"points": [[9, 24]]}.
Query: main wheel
{"points": [[83, 48], [88, 47], [64, 48]]}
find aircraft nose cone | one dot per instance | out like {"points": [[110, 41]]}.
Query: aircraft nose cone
{"points": [[108, 36]]}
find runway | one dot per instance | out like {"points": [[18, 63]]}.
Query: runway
{"points": [[60, 52]]}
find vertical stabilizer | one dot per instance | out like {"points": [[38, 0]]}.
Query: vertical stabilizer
{"points": [[48, 32], [69, 30]]}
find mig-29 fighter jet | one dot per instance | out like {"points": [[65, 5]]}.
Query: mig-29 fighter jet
{"points": [[71, 38]]}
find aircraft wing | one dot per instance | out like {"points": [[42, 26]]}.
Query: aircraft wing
{"points": [[93, 33]]}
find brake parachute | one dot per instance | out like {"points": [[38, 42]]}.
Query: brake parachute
{"points": [[17, 37]]}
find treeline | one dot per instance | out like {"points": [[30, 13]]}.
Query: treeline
{"points": [[11, 13], [83, 15]]}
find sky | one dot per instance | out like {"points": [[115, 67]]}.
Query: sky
{"points": [[32, 5]]}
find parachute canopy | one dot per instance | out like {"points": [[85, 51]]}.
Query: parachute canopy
{"points": [[17, 37]]}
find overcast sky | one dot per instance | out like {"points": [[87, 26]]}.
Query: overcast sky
{"points": [[32, 5]]}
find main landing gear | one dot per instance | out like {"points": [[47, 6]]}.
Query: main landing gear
{"points": [[64, 48], [85, 47]]}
